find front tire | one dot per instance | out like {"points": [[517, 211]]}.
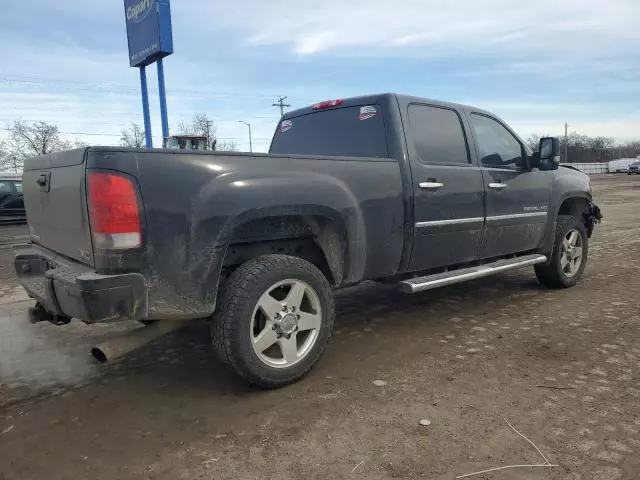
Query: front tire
{"points": [[274, 318], [569, 258]]}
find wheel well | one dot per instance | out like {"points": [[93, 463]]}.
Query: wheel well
{"points": [[574, 206], [313, 238]]}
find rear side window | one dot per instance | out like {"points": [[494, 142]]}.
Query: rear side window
{"points": [[18, 186], [437, 135], [349, 132]]}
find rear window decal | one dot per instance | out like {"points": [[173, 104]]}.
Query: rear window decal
{"points": [[367, 112], [286, 126]]}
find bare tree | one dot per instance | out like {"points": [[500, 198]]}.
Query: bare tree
{"points": [[6, 162], [38, 138], [230, 146], [32, 139], [133, 136], [71, 144], [533, 141], [200, 125], [602, 147]]}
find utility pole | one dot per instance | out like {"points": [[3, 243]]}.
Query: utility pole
{"points": [[207, 133], [566, 143], [250, 141], [281, 104]]}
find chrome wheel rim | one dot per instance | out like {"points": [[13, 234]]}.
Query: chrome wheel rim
{"points": [[285, 324], [571, 253]]}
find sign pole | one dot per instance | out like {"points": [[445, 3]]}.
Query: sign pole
{"points": [[163, 101], [145, 108], [150, 39]]}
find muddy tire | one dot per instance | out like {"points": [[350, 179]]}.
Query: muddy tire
{"points": [[569, 259], [273, 320]]}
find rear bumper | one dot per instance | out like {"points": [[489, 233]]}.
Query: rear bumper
{"points": [[68, 288]]}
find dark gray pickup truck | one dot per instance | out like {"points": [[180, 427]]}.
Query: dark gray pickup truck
{"points": [[387, 187]]}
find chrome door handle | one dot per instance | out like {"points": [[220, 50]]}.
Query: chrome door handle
{"points": [[497, 186], [431, 185]]}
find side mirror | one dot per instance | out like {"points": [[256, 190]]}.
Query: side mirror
{"points": [[549, 152]]}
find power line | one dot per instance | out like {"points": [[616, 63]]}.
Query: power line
{"points": [[281, 104], [39, 81], [137, 119], [97, 134]]}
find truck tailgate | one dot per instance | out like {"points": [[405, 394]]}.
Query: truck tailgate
{"points": [[55, 202]]}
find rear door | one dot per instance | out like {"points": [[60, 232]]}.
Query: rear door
{"points": [[55, 202], [517, 198], [448, 189]]}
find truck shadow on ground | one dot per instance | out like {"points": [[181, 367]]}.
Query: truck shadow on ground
{"points": [[184, 362]]}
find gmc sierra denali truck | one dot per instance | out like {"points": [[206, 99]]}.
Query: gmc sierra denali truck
{"points": [[387, 187]]}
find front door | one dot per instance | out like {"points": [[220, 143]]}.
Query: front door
{"points": [[448, 189], [516, 197]]}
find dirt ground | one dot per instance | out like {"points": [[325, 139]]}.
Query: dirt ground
{"points": [[561, 366]]}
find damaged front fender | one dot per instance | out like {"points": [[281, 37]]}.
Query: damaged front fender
{"points": [[591, 218]]}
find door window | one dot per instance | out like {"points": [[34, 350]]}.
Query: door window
{"points": [[497, 147], [18, 186], [5, 187], [437, 135]]}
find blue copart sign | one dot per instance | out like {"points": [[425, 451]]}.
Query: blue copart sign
{"points": [[148, 30]]}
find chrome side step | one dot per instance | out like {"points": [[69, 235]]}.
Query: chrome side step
{"points": [[420, 284]]}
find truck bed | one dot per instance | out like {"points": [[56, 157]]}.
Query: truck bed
{"points": [[196, 204]]}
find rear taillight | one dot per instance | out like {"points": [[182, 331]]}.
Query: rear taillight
{"points": [[328, 104], [114, 211]]}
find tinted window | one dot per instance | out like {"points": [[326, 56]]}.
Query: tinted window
{"points": [[351, 131], [5, 187], [497, 147], [18, 186], [437, 135]]}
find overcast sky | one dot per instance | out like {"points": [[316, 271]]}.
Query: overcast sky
{"points": [[536, 64]]}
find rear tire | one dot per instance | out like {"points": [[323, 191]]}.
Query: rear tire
{"points": [[273, 320], [569, 258]]}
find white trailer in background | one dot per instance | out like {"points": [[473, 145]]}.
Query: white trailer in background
{"points": [[621, 165]]}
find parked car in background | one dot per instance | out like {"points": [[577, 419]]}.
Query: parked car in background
{"points": [[634, 169], [11, 200]]}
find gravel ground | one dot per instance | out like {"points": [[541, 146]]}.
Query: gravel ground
{"points": [[561, 366], [10, 235]]}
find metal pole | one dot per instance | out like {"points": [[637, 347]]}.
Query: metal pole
{"points": [[250, 140], [566, 143], [163, 102], [145, 108]]}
